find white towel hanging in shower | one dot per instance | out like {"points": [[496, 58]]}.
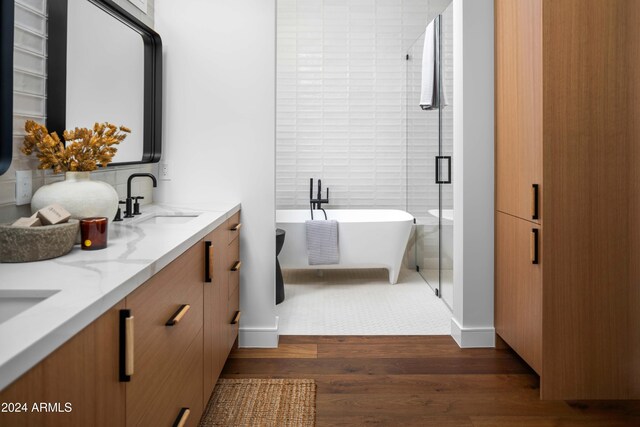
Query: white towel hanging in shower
{"points": [[429, 90]]}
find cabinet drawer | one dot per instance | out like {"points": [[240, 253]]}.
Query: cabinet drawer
{"points": [[518, 314], [233, 225], [159, 346], [233, 319], [234, 266], [182, 389]]}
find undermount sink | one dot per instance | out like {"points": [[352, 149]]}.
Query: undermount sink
{"points": [[15, 301], [163, 218]]}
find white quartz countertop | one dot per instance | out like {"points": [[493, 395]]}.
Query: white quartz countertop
{"points": [[85, 284]]}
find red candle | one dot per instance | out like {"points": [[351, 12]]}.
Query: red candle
{"points": [[93, 232]]}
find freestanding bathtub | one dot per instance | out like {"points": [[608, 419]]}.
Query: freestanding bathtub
{"points": [[367, 238]]}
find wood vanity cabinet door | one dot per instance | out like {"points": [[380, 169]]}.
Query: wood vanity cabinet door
{"points": [[518, 291], [161, 381], [182, 389], [82, 372], [518, 96], [215, 309]]}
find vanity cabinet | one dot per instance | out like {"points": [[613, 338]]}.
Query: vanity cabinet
{"points": [[567, 165], [155, 357], [83, 373]]}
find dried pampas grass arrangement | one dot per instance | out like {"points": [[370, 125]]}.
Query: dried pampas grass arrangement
{"points": [[82, 150]]}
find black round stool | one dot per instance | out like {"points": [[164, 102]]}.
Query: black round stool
{"points": [[279, 281]]}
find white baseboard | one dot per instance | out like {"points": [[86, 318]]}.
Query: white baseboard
{"points": [[249, 337], [473, 337]]}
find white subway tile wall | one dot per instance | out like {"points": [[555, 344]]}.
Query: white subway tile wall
{"points": [[341, 78], [29, 102]]}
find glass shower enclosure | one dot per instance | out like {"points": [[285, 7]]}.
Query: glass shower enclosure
{"points": [[429, 138]]}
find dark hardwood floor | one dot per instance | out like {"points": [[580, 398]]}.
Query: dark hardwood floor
{"points": [[420, 381]]}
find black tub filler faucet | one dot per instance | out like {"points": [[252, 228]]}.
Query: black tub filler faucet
{"points": [[318, 201]]}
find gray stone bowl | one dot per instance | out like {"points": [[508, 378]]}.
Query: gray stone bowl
{"points": [[26, 244]]}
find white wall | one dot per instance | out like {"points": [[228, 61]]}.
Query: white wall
{"points": [[219, 131], [473, 174], [341, 105]]}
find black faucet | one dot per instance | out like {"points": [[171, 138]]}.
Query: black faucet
{"points": [[131, 210], [318, 201]]}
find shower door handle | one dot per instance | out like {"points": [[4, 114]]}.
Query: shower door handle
{"points": [[439, 161]]}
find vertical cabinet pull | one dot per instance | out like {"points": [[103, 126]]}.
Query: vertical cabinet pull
{"points": [[129, 341], [535, 201], [535, 246], [208, 262], [178, 315], [183, 416], [126, 345]]}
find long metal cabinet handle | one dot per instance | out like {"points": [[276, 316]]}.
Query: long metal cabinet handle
{"points": [[535, 201], [535, 246], [208, 262]]}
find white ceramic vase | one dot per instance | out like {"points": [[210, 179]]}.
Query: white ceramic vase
{"points": [[78, 194]]}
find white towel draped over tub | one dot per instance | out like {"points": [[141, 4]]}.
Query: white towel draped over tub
{"points": [[322, 242]]}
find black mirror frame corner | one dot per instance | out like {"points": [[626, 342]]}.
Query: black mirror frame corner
{"points": [[6, 84], [57, 75]]}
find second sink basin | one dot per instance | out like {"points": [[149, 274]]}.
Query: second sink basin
{"points": [[15, 301], [169, 218]]}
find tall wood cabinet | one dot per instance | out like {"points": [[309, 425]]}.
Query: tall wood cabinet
{"points": [[567, 184], [151, 360]]}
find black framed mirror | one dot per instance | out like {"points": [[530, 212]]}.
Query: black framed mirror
{"points": [[6, 85], [105, 65]]}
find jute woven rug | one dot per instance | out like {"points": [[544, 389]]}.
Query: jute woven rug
{"points": [[261, 402]]}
